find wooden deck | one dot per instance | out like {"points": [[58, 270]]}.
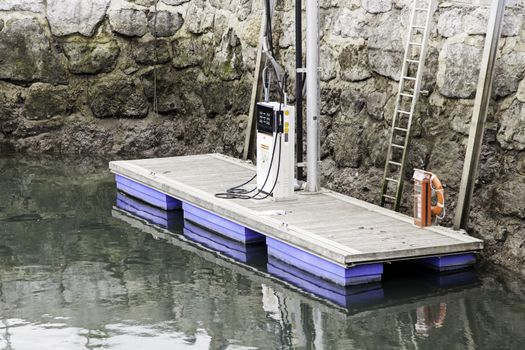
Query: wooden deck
{"points": [[338, 228]]}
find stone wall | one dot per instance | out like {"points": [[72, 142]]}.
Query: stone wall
{"points": [[76, 76]]}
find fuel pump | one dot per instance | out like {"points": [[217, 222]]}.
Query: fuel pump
{"points": [[276, 150]]}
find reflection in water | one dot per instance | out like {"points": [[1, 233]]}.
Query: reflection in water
{"points": [[428, 318], [76, 273]]}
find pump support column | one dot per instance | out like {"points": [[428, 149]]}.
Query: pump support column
{"points": [[313, 95]]}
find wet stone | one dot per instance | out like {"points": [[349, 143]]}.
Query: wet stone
{"points": [[45, 101], [167, 87], [117, 97]]}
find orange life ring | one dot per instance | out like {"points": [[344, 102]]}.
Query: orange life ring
{"points": [[438, 188]]}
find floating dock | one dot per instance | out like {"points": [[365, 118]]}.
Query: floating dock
{"points": [[333, 236], [426, 288]]}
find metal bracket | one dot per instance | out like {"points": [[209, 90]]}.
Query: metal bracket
{"points": [[303, 70], [305, 164]]}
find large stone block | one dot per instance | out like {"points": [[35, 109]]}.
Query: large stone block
{"points": [[385, 46], [329, 64], [28, 55], [348, 146], [510, 70], [117, 97], [128, 21], [221, 97], [228, 62], [446, 159], [168, 89], [507, 197], [354, 63], [458, 71], [511, 134], [241, 8], [375, 104], [351, 24], [75, 16], [22, 5], [474, 21], [45, 101], [202, 17], [148, 51], [193, 51], [377, 6], [165, 24], [91, 56]]}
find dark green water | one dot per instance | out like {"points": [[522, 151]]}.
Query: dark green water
{"points": [[77, 274]]}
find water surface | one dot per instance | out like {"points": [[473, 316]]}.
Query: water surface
{"points": [[77, 273]]}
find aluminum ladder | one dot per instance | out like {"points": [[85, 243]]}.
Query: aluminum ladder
{"points": [[409, 90]]}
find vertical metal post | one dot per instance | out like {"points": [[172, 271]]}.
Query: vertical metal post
{"points": [[299, 85], [312, 95], [481, 105]]}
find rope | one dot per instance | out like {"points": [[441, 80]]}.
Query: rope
{"points": [[155, 61]]}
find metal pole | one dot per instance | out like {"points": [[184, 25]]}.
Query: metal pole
{"points": [[299, 85], [479, 115], [312, 95]]}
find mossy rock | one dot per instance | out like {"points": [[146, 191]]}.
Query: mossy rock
{"points": [[91, 56]]}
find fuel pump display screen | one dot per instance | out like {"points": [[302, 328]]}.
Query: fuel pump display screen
{"points": [[265, 119]]}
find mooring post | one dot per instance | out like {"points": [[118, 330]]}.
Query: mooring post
{"points": [[299, 86], [479, 115], [313, 96]]}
